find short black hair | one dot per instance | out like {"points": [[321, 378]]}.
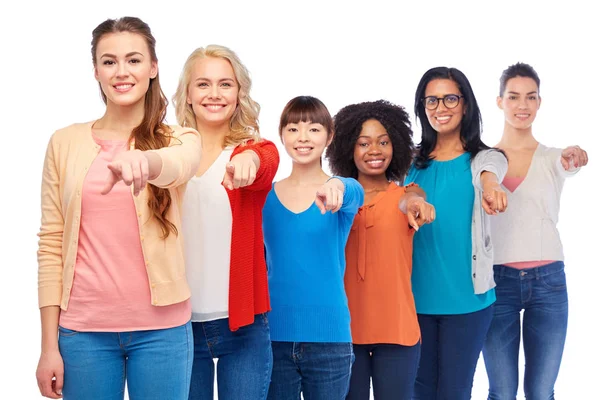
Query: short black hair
{"points": [[348, 124], [518, 69]]}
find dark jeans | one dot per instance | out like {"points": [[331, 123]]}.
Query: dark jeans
{"points": [[542, 294], [449, 354], [392, 367], [321, 371], [245, 360]]}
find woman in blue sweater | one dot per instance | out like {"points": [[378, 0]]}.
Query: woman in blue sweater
{"points": [[306, 221]]}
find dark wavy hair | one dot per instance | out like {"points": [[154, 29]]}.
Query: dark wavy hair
{"points": [[470, 126], [518, 69], [348, 124]]}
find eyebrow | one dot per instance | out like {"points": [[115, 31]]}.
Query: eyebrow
{"points": [[133, 53], [208, 79], [534, 92], [380, 136]]}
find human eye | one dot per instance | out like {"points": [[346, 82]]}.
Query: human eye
{"points": [[384, 142], [292, 129], [430, 101], [108, 62], [134, 61], [451, 99], [533, 97], [202, 84], [512, 97]]}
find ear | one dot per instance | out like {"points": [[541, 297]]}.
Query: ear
{"points": [[330, 139], [539, 102], [499, 102], [96, 73], [153, 70], [187, 98]]}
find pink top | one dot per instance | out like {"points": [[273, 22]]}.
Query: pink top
{"points": [[511, 183], [110, 290]]}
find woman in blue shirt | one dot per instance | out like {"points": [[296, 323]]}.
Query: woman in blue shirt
{"points": [[306, 221], [452, 263]]}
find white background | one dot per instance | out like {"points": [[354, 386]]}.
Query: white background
{"points": [[341, 52]]}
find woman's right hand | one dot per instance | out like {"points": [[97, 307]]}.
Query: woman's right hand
{"points": [[50, 374]]}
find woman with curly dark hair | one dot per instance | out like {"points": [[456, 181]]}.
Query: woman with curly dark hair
{"points": [[373, 143]]}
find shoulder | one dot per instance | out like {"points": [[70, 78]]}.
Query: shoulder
{"points": [[71, 132]]}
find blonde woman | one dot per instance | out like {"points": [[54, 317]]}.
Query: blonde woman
{"points": [[222, 213]]}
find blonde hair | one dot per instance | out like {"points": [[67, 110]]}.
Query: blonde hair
{"points": [[243, 125]]}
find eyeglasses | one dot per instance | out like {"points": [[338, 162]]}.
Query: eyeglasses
{"points": [[449, 100]]}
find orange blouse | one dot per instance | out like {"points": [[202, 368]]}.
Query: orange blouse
{"points": [[378, 273]]}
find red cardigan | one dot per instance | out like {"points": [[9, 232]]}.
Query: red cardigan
{"points": [[248, 287]]}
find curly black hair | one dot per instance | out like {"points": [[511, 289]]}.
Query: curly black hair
{"points": [[348, 125]]}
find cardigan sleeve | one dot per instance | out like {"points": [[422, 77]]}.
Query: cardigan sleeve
{"points": [[50, 265], [269, 163], [180, 160], [553, 156], [491, 161]]}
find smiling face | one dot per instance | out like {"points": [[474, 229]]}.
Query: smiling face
{"points": [[213, 91], [444, 120], [305, 141], [373, 150], [520, 102], [124, 68]]}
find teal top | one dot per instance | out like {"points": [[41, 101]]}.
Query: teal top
{"points": [[442, 250]]}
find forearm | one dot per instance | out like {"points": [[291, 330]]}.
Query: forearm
{"points": [[404, 200], [49, 317], [155, 164], [488, 178]]}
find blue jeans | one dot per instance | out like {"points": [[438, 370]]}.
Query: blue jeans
{"points": [[449, 352], [392, 366], [542, 294], [156, 364], [321, 371], [244, 365]]}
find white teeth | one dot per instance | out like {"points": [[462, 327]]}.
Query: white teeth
{"points": [[445, 118], [123, 87], [303, 149], [375, 163], [214, 107]]}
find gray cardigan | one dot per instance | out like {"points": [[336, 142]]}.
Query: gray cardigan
{"points": [[482, 264]]}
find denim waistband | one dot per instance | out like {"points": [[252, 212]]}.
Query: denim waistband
{"points": [[531, 273]]}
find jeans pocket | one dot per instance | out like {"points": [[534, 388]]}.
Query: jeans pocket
{"points": [[64, 332], [554, 281]]}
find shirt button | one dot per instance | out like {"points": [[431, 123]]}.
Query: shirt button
{"points": [[147, 263], [474, 275], [523, 273], [474, 257], [154, 285], [139, 214], [142, 238]]}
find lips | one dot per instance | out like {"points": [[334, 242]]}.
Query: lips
{"points": [[522, 116], [303, 149], [123, 87], [214, 107], [443, 119], [378, 163]]}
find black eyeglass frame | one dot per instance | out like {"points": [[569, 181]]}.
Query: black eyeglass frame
{"points": [[443, 99]]}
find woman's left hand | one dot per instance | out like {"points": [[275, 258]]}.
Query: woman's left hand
{"points": [[575, 154]]}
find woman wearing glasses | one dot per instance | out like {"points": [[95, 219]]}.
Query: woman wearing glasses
{"points": [[452, 277], [527, 249]]}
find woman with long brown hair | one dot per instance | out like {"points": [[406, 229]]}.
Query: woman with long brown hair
{"points": [[112, 289]]}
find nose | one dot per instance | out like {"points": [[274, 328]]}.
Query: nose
{"points": [[441, 105], [214, 92], [122, 71], [303, 137]]}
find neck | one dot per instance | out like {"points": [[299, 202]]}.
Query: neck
{"points": [[516, 138], [449, 142], [121, 119], [213, 136], [373, 181], [307, 173]]}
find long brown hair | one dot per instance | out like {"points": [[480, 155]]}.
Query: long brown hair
{"points": [[152, 132]]}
